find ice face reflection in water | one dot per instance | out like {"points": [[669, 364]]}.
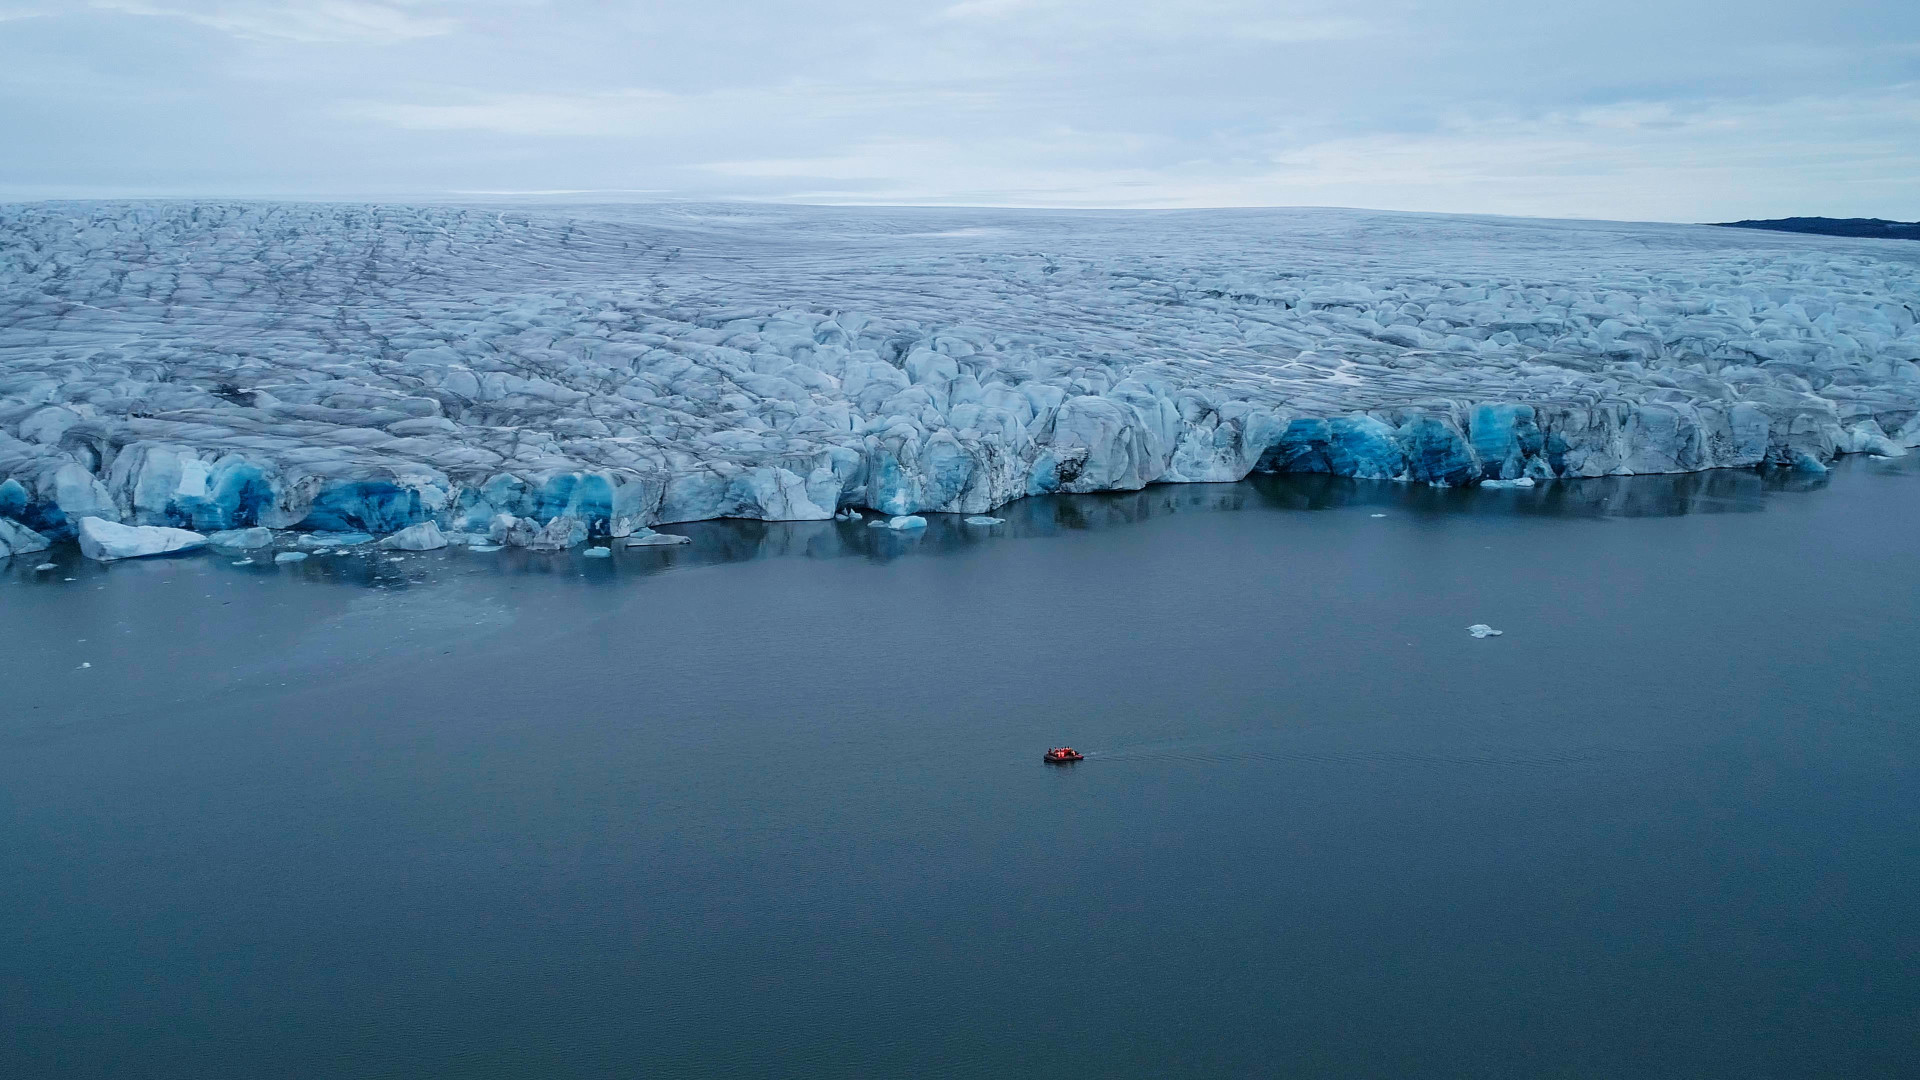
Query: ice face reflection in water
{"points": [[507, 814]]}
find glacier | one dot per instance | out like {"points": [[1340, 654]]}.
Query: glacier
{"points": [[546, 376]]}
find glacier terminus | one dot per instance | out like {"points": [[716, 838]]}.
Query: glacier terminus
{"points": [[544, 375]]}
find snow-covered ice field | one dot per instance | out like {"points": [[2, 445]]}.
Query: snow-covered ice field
{"points": [[540, 375]]}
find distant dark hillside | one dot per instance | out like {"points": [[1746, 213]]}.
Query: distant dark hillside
{"points": [[1876, 228]]}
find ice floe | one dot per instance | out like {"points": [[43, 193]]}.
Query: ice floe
{"points": [[16, 539], [242, 539], [425, 536], [106, 541], [649, 538]]}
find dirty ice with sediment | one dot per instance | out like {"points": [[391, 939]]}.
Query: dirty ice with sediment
{"points": [[539, 376]]}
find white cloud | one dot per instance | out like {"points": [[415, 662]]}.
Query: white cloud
{"points": [[1083, 21], [12, 11], [626, 112], [1305, 29], [312, 21], [1481, 105], [984, 9], [629, 112], [1633, 160]]}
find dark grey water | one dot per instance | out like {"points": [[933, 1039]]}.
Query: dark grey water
{"points": [[772, 804]]}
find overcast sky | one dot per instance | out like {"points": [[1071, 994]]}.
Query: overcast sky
{"points": [[1645, 109]]}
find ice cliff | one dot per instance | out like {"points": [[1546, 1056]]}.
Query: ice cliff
{"points": [[540, 377]]}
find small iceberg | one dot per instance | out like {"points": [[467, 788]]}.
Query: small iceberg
{"points": [[598, 553], [242, 539], [1482, 630], [485, 547], [982, 519], [1808, 463], [290, 556], [649, 538], [333, 539], [1523, 482], [104, 541], [19, 540], [425, 536], [558, 534], [908, 521]]}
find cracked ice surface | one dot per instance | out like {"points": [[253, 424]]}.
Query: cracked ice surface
{"points": [[364, 369]]}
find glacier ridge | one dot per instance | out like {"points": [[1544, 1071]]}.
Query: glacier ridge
{"points": [[541, 377]]}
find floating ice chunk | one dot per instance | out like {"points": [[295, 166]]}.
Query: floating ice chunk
{"points": [[485, 547], [556, 535], [105, 541], [1805, 462], [290, 556], [657, 539], [333, 539], [598, 553], [847, 515], [982, 519], [242, 539], [425, 536], [1869, 437], [84, 665], [1482, 630], [907, 521], [19, 540], [1376, 515], [1522, 482], [877, 523], [45, 566], [243, 562]]}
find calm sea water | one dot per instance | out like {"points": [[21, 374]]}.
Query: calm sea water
{"points": [[772, 804]]}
